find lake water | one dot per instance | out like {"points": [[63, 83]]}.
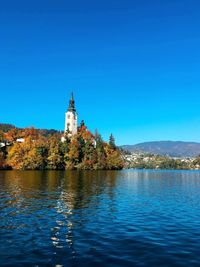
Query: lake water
{"points": [[100, 218]]}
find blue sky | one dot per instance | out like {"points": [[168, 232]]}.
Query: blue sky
{"points": [[134, 66]]}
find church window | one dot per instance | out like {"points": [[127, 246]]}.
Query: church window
{"points": [[68, 116]]}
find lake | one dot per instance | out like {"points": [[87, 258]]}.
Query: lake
{"points": [[100, 218]]}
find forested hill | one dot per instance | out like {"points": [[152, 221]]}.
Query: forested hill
{"points": [[170, 148], [5, 127], [36, 149]]}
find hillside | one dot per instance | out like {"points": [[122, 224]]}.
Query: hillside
{"points": [[5, 127], [170, 148]]}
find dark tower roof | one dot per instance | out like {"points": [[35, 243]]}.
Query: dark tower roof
{"points": [[72, 104]]}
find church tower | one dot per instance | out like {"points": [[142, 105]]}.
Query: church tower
{"points": [[71, 118]]}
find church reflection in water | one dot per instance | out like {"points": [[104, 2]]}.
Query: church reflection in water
{"points": [[78, 190], [63, 197]]}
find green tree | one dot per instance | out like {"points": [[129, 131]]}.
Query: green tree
{"points": [[100, 152], [65, 146], [82, 145], [168, 164], [2, 137], [112, 142], [2, 160], [89, 155]]}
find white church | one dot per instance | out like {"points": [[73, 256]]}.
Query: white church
{"points": [[71, 119]]}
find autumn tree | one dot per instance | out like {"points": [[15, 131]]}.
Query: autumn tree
{"points": [[12, 135], [16, 156], [30, 133], [86, 147], [41, 151], [65, 146], [73, 154], [113, 158], [55, 156], [28, 155]]}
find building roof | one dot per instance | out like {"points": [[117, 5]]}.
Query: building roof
{"points": [[72, 104]]}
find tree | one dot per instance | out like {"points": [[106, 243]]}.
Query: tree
{"points": [[73, 155], [100, 152], [82, 125], [114, 159], [30, 155], [34, 160], [196, 162], [2, 160], [112, 142], [30, 133], [5, 127], [12, 135], [168, 164], [65, 146], [16, 155], [89, 155], [39, 151], [2, 137], [55, 158]]}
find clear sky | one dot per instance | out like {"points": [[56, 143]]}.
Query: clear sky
{"points": [[134, 66]]}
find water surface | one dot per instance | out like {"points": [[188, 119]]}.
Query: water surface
{"points": [[100, 218]]}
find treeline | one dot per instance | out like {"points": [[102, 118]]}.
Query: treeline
{"points": [[32, 149], [5, 128]]}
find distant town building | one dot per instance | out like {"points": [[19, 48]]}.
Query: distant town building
{"points": [[20, 140], [2, 144]]}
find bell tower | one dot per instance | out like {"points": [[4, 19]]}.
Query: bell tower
{"points": [[71, 118]]}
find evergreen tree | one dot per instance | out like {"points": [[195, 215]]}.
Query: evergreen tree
{"points": [[112, 142], [81, 142], [100, 152], [82, 124]]}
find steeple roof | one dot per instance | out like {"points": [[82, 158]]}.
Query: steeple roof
{"points": [[72, 104]]}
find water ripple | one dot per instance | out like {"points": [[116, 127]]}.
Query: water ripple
{"points": [[106, 218]]}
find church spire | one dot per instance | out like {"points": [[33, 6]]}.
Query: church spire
{"points": [[72, 104]]}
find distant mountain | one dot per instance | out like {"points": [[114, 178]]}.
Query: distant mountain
{"points": [[170, 148]]}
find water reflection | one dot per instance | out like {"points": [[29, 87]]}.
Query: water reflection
{"points": [[78, 218], [59, 196]]}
